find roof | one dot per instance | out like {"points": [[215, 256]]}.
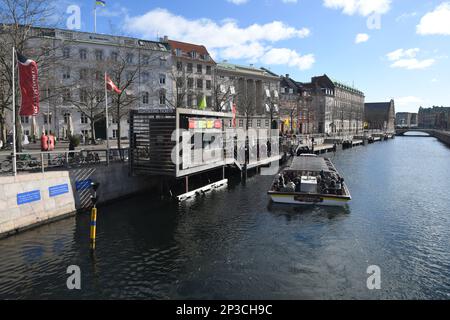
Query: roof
{"points": [[304, 163], [187, 48], [245, 69], [378, 106]]}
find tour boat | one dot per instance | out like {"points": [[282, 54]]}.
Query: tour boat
{"points": [[310, 180]]}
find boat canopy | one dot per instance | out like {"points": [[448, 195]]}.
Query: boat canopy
{"points": [[315, 164]]}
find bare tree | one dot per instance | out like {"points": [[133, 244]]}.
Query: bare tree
{"points": [[222, 92], [17, 21], [183, 86], [125, 75], [88, 98], [246, 103]]}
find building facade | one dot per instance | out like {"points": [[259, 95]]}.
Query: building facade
{"points": [[255, 93], [338, 109], [406, 120], [71, 79], [380, 116], [434, 118], [192, 75]]}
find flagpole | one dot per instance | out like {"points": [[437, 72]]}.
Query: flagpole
{"points": [[107, 121], [14, 110], [95, 18]]}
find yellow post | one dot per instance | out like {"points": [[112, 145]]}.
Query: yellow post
{"points": [[93, 227]]}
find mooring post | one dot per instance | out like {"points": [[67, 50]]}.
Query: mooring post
{"points": [[187, 184], [94, 199]]}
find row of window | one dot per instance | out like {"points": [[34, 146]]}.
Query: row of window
{"points": [[190, 83], [190, 68], [193, 55], [99, 55], [49, 117], [98, 75]]}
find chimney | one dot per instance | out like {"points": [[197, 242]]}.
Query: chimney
{"points": [[164, 40], [287, 75]]}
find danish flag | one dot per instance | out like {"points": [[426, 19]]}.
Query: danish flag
{"points": [[111, 86]]}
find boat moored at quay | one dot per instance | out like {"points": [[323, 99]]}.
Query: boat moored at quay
{"points": [[310, 180]]}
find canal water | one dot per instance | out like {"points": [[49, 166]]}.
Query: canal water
{"points": [[234, 244]]}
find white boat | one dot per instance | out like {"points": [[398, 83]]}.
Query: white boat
{"points": [[310, 180]]}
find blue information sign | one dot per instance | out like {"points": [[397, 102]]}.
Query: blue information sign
{"points": [[58, 190], [27, 197], [83, 184]]}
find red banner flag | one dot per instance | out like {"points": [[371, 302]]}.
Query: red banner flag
{"points": [[111, 86], [29, 86]]}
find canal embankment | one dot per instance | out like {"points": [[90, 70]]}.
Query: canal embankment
{"points": [[32, 199]]}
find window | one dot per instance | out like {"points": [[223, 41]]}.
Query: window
{"points": [[190, 83], [179, 66], [145, 60], [84, 120], [208, 84], [162, 79], [199, 83], [114, 56], [241, 123], [83, 54], [194, 55], [47, 118], [145, 77], [66, 73], [162, 97], [190, 100], [258, 123], [24, 119], [66, 95], [145, 98], [84, 74], [178, 52], [208, 70], [66, 118], [199, 68], [99, 55], [130, 58], [209, 101], [83, 96], [66, 53], [190, 67], [115, 132], [267, 123], [114, 120]]}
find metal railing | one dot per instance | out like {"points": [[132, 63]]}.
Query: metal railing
{"points": [[32, 162]]}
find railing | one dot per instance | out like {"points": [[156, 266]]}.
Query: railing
{"points": [[32, 162]]}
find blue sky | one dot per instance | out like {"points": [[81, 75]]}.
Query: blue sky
{"points": [[402, 53]]}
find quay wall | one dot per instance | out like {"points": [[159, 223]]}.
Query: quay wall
{"points": [[29, 200], [443, 136]]}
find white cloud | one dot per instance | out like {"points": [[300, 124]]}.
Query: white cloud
{"points": [[361, 37], [226, 39], [238, 2], [361, 7], [413, 64], [289, 1], [408, 103], [436, 22], [288, 57], [406, 59], [402, 53], [405, 16]]}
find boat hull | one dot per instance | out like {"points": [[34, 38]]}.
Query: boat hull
{"points": [[309, 200]]}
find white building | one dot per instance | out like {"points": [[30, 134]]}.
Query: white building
{"points": [[78, 61]]}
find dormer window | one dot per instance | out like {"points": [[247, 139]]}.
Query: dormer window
{"points": [[178, 52]]}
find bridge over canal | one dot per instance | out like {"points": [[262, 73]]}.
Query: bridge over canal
{"points": [[443, 136]]}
